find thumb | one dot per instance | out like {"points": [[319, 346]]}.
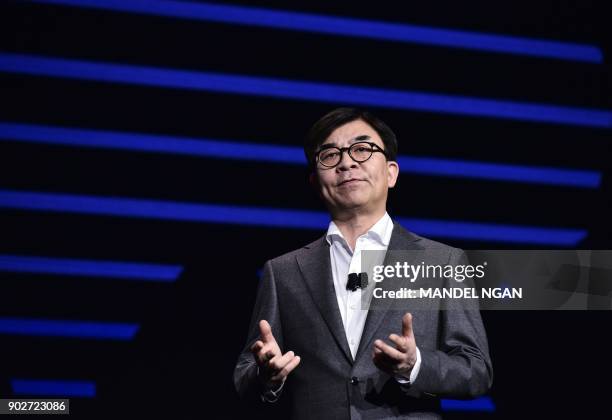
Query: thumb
{"points": [[407, 325], [265, 331]]}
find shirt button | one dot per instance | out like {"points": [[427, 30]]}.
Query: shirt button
{"points": [[354, 380]]}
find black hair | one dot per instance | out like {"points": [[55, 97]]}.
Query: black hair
{"points": [[322, 129]]}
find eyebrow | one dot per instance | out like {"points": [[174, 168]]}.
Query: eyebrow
{"points": [[362, 137]]}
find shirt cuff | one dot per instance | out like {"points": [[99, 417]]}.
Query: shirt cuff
{"points": [[413, 373], [271, 395]]}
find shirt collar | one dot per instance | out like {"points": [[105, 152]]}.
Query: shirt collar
{"points": [[381, 231]]}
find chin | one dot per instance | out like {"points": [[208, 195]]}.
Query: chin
{"points": [[353, 200], [352, 204]]}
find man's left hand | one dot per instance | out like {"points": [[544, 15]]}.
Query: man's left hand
{"points": [[400, 359]]}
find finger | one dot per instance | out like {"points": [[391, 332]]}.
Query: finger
{"points": [[256, 349], [388, 351], [265, 332], [401, 343], [379, 356], [264, 354], [407, 325], [269, 355], [279, 361], [257, 346], [381, 361], [285, 371]]}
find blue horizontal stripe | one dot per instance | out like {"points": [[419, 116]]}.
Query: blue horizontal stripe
{"points": [[482, 404], [79, 267], [151, 143], [272, 217], [55, 388], [289, 155], [495, 232], [165, 210], [68, 329], [308, 91], [351, 27], [500, 172]]}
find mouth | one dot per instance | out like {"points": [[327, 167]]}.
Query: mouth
{"points": [[349, 182]]}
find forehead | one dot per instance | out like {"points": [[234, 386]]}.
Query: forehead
{"points": [[344, 135]]}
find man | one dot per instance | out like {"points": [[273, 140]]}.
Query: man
{"points": [[309, 340]]}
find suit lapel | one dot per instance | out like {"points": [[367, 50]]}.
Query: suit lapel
{"points": [[401, 239], [315, 266]]}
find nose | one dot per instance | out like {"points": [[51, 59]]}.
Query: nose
{"points": [[346, 162]]}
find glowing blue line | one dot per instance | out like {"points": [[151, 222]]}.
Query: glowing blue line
{"points": [[351, 27], [79, 267], [483, 404], [272, 217], [500, 172], [289, 154], [495, 232], [56, 388], [165, 210], [68, 329], [308, 91], [151, 143]]}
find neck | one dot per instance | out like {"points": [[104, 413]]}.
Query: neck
{"points": [[355, 224]]}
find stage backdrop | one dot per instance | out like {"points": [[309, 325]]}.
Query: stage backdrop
{"points": [[151, 162]]}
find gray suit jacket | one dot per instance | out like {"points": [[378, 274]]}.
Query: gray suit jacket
{"points": [[296, 296]]}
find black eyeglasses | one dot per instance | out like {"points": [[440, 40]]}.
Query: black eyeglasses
{"points": [[330, 157]]}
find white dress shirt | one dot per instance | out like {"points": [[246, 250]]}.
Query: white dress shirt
{"points": [[344, 260]]}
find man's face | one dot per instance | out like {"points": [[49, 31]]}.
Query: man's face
{"points": [[352, 185]]}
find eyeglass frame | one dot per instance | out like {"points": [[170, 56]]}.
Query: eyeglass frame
{"points": [[375, 148]]}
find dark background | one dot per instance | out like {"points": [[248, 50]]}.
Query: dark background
{"points": [[181, 363]]}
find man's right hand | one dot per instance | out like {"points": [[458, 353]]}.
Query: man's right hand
{"points": [[274, 367]]}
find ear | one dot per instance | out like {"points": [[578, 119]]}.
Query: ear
{"points": [[392, 173]]}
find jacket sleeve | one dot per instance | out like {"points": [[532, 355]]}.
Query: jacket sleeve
{"points": [[266, 307], [461, 366]]}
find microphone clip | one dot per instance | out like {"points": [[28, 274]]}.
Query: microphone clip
{"points": [[356, 281]]}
